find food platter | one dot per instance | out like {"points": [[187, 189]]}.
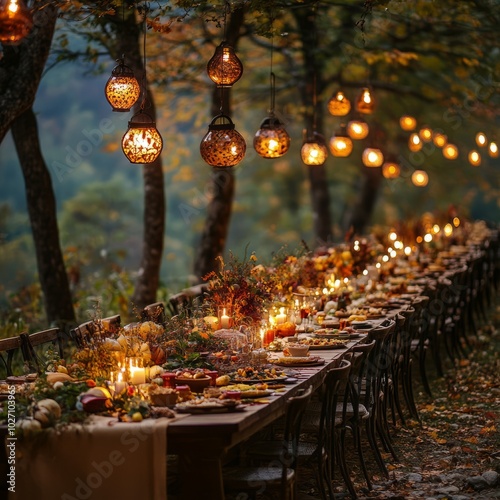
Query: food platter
{"points": [[320, 344], [209, 406], [299, 361]]}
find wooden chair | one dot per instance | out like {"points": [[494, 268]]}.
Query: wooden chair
{"points": [[9, 347], [154, 312], [29, 343], [85, 332], [187, 299], [251, 480]]}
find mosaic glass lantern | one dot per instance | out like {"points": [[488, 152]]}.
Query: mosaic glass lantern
{"points": [[358, 129], [224, 68], [341, 144], [16, 21], [415, 143], [450, 152], [391, 169], [425, 134], [493, 149], [222, 146], [339, 105], [122, 88], [142, 143], [481, 139], [271, 140], [314, 151], [439, 139], [372, 157], [365, 103], [474, 158]]}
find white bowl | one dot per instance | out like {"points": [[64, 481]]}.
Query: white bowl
{"points": [[298, 351]]}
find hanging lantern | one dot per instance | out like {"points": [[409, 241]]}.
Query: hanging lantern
{"points": [[414, 143], [341, 144], [450, 152], [142, 143], [493, 149], [391, 169], [271, 140], [439, 139], [372, 157], [224, 68], [314, 150], [122, 89], [420, 178], [339, 105], [425, 134], [16, 21], [408, 123], [358, 129], [474, 158], [481, 139], [365, 103], [222, 146]]}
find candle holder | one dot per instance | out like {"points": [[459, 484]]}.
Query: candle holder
{"points": [[117, 384], [225, 317], [136, 370]]}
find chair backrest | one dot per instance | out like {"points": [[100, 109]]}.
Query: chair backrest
{"points": [[8, 349], [295, 408], [33, 340], [187, 299], [154, 312], [85, 332], [336, 381]]}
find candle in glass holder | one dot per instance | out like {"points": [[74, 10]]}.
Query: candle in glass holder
{"points": [[281, 317], [213, 321], [137, 371], [225, 320], [120, 384]]}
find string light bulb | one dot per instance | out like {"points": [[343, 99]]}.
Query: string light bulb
{"points": [[439, 139], [420, 178], [425, 134], [16, 21], [414, 142], [474, 158], [493, 149], [481, 139], [391, 169], [407, 123], [222, 146], [450, 152], [122, 89]]}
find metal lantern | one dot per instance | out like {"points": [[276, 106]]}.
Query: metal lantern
{"points": [[450, 152], [314, 151], [142, 143], [420, 178], [122, 89], [16, 21], [365, 103], [271, 140], [415, 143], [358, 129], [493, 149], [372, 157], [341, 144], [391, 170], [339, 105], [224, 68], [474, 158], [222, 146], [408, 123]]}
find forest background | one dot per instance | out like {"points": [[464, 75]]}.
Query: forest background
{"points": [[445, 73]]}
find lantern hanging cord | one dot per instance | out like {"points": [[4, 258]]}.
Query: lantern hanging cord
{"points": [[272, 76], [144, 77], [315, 36]]}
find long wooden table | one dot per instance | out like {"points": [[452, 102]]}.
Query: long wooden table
{"points": [[202, 441]]}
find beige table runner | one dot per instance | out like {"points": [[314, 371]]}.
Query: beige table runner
{"points": [[102, 460]]}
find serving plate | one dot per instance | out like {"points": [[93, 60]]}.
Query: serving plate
{"points": [[224, 406]]}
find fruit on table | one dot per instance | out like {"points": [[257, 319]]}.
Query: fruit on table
{"points": [[28, 427]]}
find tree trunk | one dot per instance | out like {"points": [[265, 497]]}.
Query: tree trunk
{"points": [[214, 235], [129, 43], [21, 66], [42, 212], [320, 196], [363, 209]]}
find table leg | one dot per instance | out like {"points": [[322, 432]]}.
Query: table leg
{"points": [[200, 477]]}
